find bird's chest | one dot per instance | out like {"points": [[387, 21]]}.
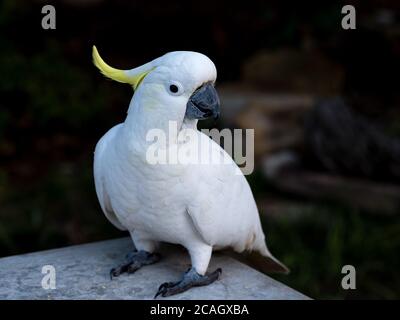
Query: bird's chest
{"points": [[147, 197]]}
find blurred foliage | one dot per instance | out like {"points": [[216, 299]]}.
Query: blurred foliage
{"points": [[51, 115], [316, 239], [58, 209], [324, 239], [34, 82]]}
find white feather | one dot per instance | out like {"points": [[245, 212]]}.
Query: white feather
{"points": [[202, 207], [99, 170]]}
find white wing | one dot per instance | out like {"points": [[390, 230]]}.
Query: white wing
{"points": [[222, 207], [99, 170]]}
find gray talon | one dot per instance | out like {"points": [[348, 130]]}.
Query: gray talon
{"points": [[190, 279], [134, 261]]}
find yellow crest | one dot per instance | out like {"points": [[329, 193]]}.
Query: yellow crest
{"points": [[133, 77]]}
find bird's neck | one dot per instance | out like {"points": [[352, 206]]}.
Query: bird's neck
{"points": [[144, 127]]}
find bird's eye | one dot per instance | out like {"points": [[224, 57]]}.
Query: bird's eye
{"points": [[175, 88]]}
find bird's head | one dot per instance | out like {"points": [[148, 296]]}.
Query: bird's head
{"points": [[174, 86]]}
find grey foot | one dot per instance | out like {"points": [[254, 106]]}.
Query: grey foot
{"points": [[190, 279], [135, 261]]}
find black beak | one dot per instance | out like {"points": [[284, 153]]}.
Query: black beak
{"points": [[203, 103]]}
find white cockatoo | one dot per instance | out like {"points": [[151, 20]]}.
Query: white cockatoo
{"points": [[200, 206]]}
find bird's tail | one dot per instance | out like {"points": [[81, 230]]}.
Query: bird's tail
{"points": [[263, 263], [266, 262], [260, 258]]}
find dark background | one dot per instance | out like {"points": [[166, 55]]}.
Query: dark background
{"points": [[54, 106]]}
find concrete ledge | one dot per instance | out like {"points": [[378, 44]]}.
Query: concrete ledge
{"points": [[82, 272]]}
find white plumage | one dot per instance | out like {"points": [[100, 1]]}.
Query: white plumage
{"points": [[199, 206]]}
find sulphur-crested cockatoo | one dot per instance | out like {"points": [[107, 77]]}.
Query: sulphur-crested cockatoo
{"points": [[201, 206]]}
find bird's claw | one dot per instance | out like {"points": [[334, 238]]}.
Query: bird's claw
{"points": [[114, 273], [162, 290], [134, 262], [190, 279]]}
